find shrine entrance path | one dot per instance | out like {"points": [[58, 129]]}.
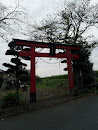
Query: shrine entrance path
{"points": [[79, 114]]}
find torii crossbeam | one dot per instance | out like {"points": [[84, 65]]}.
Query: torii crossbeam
{"points": [[52, 54]]}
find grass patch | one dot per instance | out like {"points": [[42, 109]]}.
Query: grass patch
{"points": [[52, 83], [58, 77]]}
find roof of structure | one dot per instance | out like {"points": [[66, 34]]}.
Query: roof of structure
{"points": [[13, 42]]}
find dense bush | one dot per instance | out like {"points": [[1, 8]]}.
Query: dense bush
{"points": [[10, 99], [84, 68], [38, 79], [96, 73]]}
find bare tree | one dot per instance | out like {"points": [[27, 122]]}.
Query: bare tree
{"points": [[11, 20], [69, 25]]}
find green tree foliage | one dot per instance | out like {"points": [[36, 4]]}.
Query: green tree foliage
{"points": [[83, 67], [24, 77], [38, 79], [96, 73]]}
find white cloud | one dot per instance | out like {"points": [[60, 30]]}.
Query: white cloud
{"points": [[43, 69], [38, 9], [94, 2]]}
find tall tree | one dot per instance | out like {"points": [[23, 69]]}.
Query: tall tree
{"points": [[21, 74], [69, 27]]}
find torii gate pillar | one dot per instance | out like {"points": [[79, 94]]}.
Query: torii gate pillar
{"points": [[32, 77], [70, 70]]}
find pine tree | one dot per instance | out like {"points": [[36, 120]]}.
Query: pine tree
{"points": [[18, 69], [83, 68]]}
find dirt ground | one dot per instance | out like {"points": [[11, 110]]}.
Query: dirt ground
{"points": [[43, 94], [45, 98]]}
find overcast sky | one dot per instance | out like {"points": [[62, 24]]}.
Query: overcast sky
{"points": [[37, 10]]}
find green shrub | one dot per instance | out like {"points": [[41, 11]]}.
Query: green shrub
{"points": [[10, 99], [38, 79], [96, 73]]}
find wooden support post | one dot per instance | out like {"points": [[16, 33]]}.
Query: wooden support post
{"points": [[70, 71], [33, 77]]}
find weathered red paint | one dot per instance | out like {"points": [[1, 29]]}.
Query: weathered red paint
{"points": [[24, 53], [70, 71], [55, 56], [32, 77], [34, 54]]}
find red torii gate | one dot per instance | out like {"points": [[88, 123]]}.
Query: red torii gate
{"points": [[52, 54]]}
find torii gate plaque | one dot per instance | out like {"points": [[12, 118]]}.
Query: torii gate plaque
{"points": [[52, 54]]}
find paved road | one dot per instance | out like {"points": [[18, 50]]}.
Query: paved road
{"points": [[80, 114]]}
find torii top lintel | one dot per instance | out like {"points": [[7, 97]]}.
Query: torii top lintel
{"points": [[43, 44]]}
